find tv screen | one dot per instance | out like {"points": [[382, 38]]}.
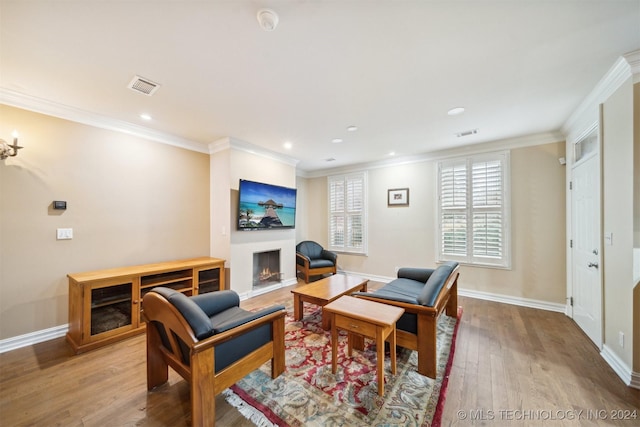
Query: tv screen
{"points": [[265, 206]]}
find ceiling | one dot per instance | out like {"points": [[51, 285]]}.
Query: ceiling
{"points": [[391, 68]]}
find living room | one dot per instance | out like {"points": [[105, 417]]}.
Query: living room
{"points": [[134, 198]]}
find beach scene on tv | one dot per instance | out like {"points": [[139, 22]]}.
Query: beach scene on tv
{"points": [[264, 206]]}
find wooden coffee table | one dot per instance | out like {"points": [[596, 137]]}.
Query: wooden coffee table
{"points": [[324, 291], [364, 318]]}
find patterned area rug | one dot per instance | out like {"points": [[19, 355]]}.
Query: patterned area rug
{"points": [[308, 394]]}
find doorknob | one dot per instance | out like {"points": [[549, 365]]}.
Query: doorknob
{"points": [[593, 264]]}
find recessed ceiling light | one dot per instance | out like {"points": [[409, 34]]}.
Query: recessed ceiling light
{"points": [[145, 116], [455, 111], [288, 145], [336, 140], [352, 128]]}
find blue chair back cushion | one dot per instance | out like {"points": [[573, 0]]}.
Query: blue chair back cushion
{"points": [[192, 313], [311, 249], [435, 283]]}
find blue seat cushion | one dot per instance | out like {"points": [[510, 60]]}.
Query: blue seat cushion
{"points": [[320, 263]]}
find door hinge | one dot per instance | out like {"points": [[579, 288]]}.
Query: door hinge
{"points": [[570, 185], [571, 243], [571, 301]]}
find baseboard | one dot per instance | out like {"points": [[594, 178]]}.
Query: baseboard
{"points": [[36, 337], [635, 380], [624, 372], [508, 299]]}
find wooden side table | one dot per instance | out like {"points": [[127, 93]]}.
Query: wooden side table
{"points": [[324, 291], [360, 317]]}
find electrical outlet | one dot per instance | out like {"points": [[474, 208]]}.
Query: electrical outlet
{"points": [[621, 339], [64, 233]]}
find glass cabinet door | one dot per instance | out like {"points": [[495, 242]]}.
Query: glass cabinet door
{"points": [[111, 308], [208, 280]]}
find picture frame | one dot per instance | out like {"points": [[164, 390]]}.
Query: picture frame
{"points": [[398, 197]]}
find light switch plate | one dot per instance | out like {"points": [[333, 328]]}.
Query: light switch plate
{"points": [[64, 233], [608, 239]]}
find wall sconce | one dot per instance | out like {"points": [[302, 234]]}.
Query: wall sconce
{"points": [[7, 150]]}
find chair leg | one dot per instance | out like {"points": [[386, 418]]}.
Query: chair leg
{"points": [[452, 304], [203, 395], [427, 356], [157, 368], [278, 360]]}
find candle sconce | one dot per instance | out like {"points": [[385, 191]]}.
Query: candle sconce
{"points": [[7, 150]]}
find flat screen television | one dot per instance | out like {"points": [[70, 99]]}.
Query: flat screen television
{"points": [[265, 206]]}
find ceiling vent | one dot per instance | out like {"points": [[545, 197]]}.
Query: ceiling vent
{"points": [[467, 133], [144, 86]]}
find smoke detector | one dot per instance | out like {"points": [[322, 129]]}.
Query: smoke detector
{"points": [[144, 86], [268, 19]]}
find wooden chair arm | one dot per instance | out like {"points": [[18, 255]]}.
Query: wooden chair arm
{"points": [[304, 258]]}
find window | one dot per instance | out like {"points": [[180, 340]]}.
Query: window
{"points": [[473, 210], [347, 213]]}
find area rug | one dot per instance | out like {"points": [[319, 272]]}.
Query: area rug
{"points": [[309, 394]]}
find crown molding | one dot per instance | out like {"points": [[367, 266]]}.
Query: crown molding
{"points": [[228, 143], [43, 106], [587, 112], [466, 150]]}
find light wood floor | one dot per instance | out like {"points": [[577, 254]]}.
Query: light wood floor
{"points": [[508, 359]]}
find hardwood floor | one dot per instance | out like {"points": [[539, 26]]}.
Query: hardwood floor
{"points": [[512, 366]]}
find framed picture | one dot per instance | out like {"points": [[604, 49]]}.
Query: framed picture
{"points": [[398, 197]]}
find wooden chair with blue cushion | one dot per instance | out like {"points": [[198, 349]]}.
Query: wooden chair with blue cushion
{"points": [[210, 341], [313, 260], [424, 294]]}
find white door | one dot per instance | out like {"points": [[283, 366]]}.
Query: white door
{"points": [[587, 282]]}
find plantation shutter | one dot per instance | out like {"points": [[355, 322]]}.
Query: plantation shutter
{"points": [[487, 209], [347, 213], [453, 199], [473, 210]]}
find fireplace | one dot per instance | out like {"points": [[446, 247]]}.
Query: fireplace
{"points": [[266, 268]]}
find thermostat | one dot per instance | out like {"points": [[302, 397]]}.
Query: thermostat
{"points": [[59, 204]]}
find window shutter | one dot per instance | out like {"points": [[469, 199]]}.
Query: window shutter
{"points": [[473, 210], [487, 203], [453, 201], [347, 212]]}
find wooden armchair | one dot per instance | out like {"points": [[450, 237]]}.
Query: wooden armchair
{"points": [[210, 341], [424, 294], [313, 260]]}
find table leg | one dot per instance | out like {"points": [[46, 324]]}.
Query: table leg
{"points": [[334, 344], [326, 320], [380, 356], [297, 307], [392, 350]]}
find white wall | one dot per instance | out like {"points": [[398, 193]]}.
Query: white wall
{"points": [[617, 172], [242, 164]]}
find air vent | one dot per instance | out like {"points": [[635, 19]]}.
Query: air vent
{"points": [[142, 85], [467, 133]]}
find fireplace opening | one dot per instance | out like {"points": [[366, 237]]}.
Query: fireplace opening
{"points": [[266, 268]]}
